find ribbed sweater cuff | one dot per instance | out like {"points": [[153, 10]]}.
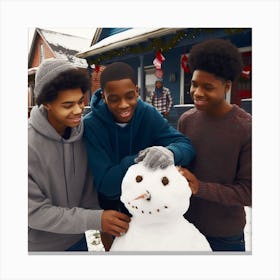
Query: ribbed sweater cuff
{"points": [[94, 219]]}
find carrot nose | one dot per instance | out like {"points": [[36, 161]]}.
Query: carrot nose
{"points": [[145, 195]]}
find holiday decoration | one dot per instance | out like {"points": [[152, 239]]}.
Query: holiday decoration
{"points": [[184, 64], [96, 68], [246, 72], [155, 43], [158, 60], [157, 200]]}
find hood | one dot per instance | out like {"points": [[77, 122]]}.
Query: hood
{"points": [[100, 109], [38, 121], [96, 99]]}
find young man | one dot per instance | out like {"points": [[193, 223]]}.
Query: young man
{"points": [[121, 126], [60, 187], [161, 98], [220, 175]]}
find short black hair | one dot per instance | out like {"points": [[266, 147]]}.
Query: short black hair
{"points": [[117, 71], [216, 56], [74, 78]]}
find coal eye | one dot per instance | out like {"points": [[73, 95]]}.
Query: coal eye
{"points": [[165, 181], [139, 178]]}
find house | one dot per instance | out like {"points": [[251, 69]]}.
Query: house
{"points": [[163, 52], [50, 44]]}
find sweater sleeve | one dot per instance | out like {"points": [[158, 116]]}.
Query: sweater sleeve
{"points": [[153, 98], [239, 193], [44, 216], [236, 191], [167, 136], [169, 100]]}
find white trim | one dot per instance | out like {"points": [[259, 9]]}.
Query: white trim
{"points": [[126, 38], [181, 84], [245, 49], [182, 101]]}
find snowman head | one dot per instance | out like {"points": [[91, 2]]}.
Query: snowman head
{"points": [[155, 195]]}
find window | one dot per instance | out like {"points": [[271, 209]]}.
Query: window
{"points": [[150, 79], [41, 53]]}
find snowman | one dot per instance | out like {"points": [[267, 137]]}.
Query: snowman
{"points": [[157, 200]]}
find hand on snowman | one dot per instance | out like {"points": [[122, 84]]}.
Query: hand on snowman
{"points": [[114, 222], [156, 156], [191, 178]]}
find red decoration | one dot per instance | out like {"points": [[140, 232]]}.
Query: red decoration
{"points": [[96, 68], [158, 60], [246, 71], [184, 64], [160, 57]]}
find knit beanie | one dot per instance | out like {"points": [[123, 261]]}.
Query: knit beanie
{"points": [[48, 71]]}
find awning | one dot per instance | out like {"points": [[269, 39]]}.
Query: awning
{"points": [[126, 38]]}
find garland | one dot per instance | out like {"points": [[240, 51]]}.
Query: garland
{"points": [[158, 44]]}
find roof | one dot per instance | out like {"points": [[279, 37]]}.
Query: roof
{"points": [[125, 38], [63, 45]]}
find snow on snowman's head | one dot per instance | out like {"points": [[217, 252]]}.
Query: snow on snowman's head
{"points": [[154, 195]]}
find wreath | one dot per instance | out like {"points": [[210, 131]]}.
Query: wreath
{"points": [[184, 64]]}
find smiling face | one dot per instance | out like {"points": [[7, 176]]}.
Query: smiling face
{"points": [[121, 99], [66, 110], [154, 195], [208, 93]]}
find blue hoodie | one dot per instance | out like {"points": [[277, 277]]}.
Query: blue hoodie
{"points": [[112, 149]]}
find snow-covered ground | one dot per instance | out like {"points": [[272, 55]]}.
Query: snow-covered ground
{"points": [[95, 244]]}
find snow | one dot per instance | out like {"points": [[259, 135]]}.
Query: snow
{"points": [[66, 46], [157, 200], [95, 244], [65, 40], [133, 35], [125, 35]]}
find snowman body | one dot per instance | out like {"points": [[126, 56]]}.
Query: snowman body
{"points": [[157, 200]]}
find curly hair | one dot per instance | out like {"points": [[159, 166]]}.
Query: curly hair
{"points": [[216, 56], [71, 79], [117, 71]]}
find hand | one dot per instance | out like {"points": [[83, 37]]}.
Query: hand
{"points": [[193, 182], [156, 156], [114, 222], [166, 114]]}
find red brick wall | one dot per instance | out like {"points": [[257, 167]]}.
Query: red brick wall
{"points": [[36, 56]]}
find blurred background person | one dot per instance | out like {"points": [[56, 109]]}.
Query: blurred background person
{"points": [[161, 98]]}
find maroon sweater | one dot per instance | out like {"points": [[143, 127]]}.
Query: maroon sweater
{"points": [[223, 167]]}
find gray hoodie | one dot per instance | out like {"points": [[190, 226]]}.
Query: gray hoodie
{"points": [[60, 187]]}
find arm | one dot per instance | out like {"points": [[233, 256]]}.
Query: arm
{"points": [[179, 148], [238, 193], [107, 170], [169, 100], [153, 98], [173, 140], [44, 216]]}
